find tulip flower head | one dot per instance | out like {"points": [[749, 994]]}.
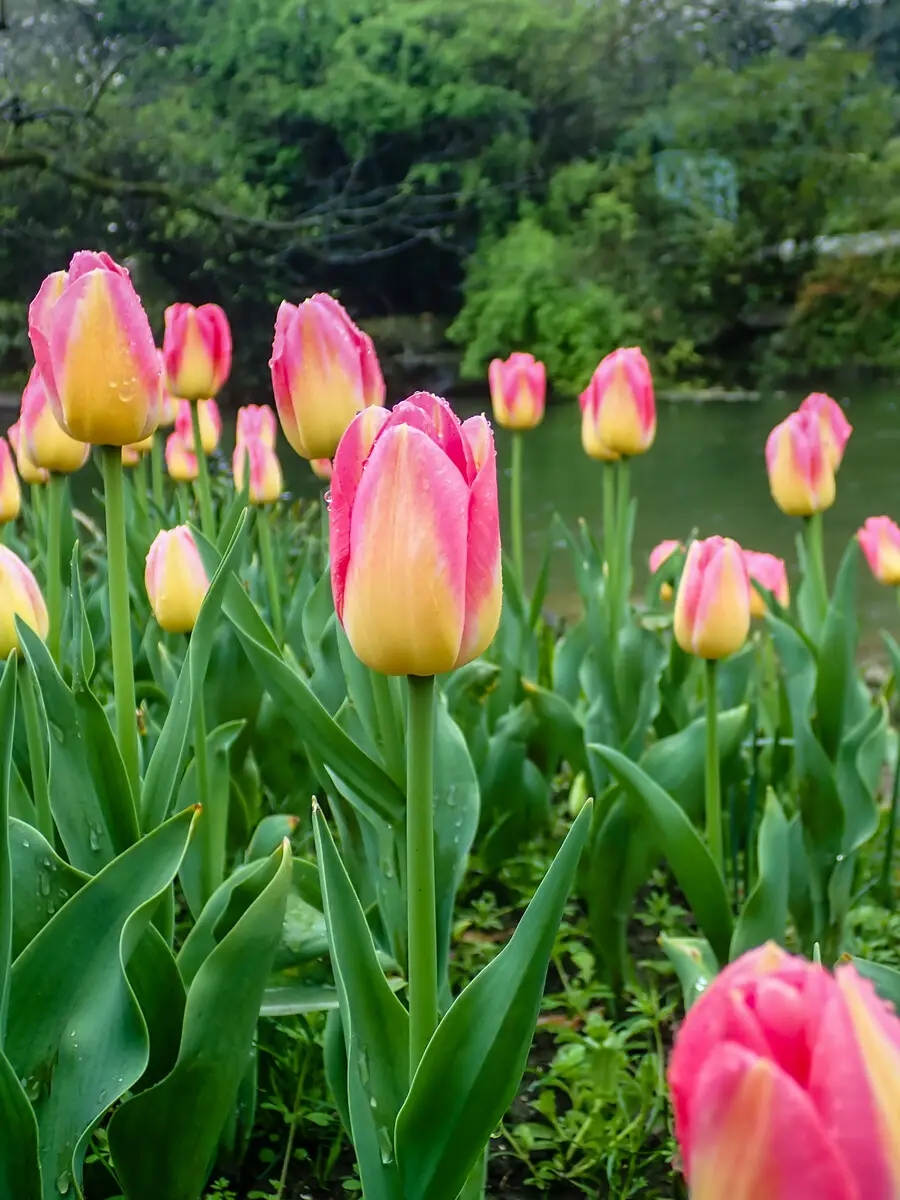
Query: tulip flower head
{"points": [[618, 409], [181, 461], [324, 371], [712, 608], [10, 491], [210, 424], [43, 439], [168, 404], [266, 481], [130, 456], [771, 573], [415, 537], [784, 1083], [196, 350], [661, 554], [257, 421], [175, 579], [801, 477], [95, 352], [518, 391], [321, 468], [21, 597], [836, 429], [27, 469], [880, 541]]}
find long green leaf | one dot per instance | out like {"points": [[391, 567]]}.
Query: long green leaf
{"points": [[7, 734], [20, 1174], [837, 653], [473, 1064], [686, 852], [764, 916], [885, 979], [42, 883], [694, 963], [678, 763], [163, 1142]]}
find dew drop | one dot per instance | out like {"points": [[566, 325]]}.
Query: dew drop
{"points": [[62, 1183]]}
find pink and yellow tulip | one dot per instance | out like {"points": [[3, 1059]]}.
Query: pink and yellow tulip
{"points": [[518, 391], [769, 572], [175, 579], [880, 541], [196, 351], [415, 537], [43, 439], [257, 421], [27, 469], [618, 409], [168, 404], [20, 597], [95, 352], [712, 607], [661, 554], [324, 372], [181, 461], [799, 462], [786, 1085], [321, 468], [266, 480], [10, 491], [835, 427], [210, 424]]}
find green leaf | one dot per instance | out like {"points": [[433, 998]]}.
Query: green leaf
{"points": [[42, 882], [269, 834], [7, 734], [560, 733], [678, 763], [885, 979], [837, 653], [202, 940], [163, 1142], [473, 1064], [856, 794], [376, 1025], [82, 648], [157, 985], [20, 1174], [694, 963], [76, 1035], [686, 852], [291, 999], [764, 916]]}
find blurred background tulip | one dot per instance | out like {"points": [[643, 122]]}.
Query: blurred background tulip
{"points": [[10, 491], [835, 427], [20, 596], [784, 1082], [769, 572], [168, 404], [266, 481], [801, 475], [618, 407], [880, 541], [46, 444], [29, 471], [175, 579], [181, 461], [130, 456], [95, 353], [257, 421], [321, 468], [415, 537], [712, 608], [196, 351], [322, 374], [518, 391], [210, 423], [661, 554]]}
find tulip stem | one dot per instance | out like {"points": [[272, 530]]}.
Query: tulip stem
{"points": [[713, 782], [623, 555], [207, 518], [816, 563], [420, 895], [885, 889], [213, 827], [515, 509], [184, 502], [268, 561], [57, 489], [120, 615], [139, 480], [156, 474], [37, 760]]}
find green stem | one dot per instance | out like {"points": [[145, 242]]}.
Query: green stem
{"points": [[207, 519], [610, 544], [885, 890], [420, 894], [816, 554], [623, 554], [515, 509], [156, 473], [184, 502], [37, 760], [214, 828], [139, 481], [268, 561], [713, 783], [120, 615], [57, 490]]}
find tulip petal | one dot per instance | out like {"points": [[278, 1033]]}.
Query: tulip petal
{"points": [[444, 428], [484, 587], [346, 472], [404, 591]]}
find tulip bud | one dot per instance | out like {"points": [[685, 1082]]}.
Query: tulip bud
{"points": [[518, 391], [769, 572], [10, 492], [196, 350], [321, 468], [324, 371], [210, 424], [784, 1084], [415, 537], [836, 429], [712, 608], [266, 482], [20, 596], [659, 555], [45, 442], [175, 579], [27, 469], [618, 407], [168, 404], [257, 421], [130, 456], [801, 477], [880, 541], [181, 461], [95, 353]]}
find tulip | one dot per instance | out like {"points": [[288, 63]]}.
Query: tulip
{"points": [[784, 1084], [321, 468], [181, 461], [518, 391], [618, 408], [175, 579], [196, 351], [324, 372], [712, 608], [10, 491], [31, 474], [257, 421], [94, 350], [661, 554], [45, 443], [415, 537], [769, 572], [210, 424], [801, 475], [21, 597], [880, 541], [835, 427], [168, 404], [266, 481], [130, 456]]}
